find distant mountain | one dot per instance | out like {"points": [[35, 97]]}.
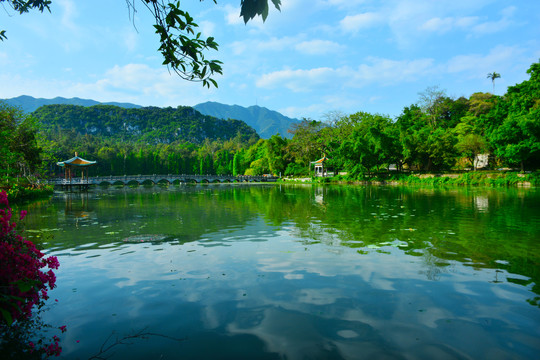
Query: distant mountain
{"points": [[151, 125], [30, 104], [265, 122]]}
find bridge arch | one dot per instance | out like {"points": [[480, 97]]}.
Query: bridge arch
{"points": [[155, 179]]}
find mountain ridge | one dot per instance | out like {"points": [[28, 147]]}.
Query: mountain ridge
{"points": [[29, 104], [266, 122]]}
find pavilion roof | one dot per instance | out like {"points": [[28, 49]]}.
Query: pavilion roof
{"points": [[320, 161], [76, 161]]}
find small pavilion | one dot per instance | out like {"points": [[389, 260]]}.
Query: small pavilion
{"points": [[76, 163], [320, 167]]}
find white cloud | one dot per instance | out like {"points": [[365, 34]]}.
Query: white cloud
{"points": [[409, 19], [343, 3], [238, 47], [69, 14], [491, 27], [297, 80], [354, 23], [299, 112], [387, 72], [444, 25], [383, 72], [232, 15], [136, 83], [143, 84], [207, 28], [130, 39], [477, 65], [272, 44], [318, 47], [275, 44], [471, 23]]}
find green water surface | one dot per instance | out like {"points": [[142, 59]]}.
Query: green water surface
{"points": [[294, 272]]}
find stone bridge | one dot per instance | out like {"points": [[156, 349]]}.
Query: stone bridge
{"points": [[155, 179]]}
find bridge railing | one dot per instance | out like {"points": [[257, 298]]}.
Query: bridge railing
{"points": [[156, 178], [75, 181]]}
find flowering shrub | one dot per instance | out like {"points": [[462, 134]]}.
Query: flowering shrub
{"points": [[24, 278]]}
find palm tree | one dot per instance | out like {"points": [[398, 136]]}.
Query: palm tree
{"points": [[494, 75]]}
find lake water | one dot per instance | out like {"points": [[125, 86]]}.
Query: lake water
{"points": [[294, 272]]}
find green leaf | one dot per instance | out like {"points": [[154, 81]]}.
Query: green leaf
{"points": [[25, 286], [7, 316]]}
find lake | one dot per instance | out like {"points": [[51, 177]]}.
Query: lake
{"points": [[294, 272]]}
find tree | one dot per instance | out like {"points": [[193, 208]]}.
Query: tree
{"points": [[369, 145], [181, 46], [276, 154], [481, 103], [427, 145], [470, 146], [517, 138], [430, 100], [19, 150], [305, 145], [494, 75]]}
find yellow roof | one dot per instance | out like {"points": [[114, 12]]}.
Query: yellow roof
{"points": [[320, 161], [76, 161]]}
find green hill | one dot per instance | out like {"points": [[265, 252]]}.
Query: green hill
{"points": [[150, 125]]}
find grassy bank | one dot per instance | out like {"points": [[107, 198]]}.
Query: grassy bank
{"points": [[478, 178], [18, 193]]}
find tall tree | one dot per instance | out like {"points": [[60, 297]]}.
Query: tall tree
{"points": [[494, 75], [430, 100]]}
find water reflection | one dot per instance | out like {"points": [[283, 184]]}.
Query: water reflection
{"points": [[300, 272]]}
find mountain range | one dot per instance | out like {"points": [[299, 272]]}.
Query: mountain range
{"points": [[265, 122]]}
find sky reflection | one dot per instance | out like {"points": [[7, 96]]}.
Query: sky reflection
{"points": [[257, 288]]}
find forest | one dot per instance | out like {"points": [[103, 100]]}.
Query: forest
{"points": [[437, 133]]}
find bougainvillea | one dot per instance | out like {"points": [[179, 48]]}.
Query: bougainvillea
{"points": [[25, 275]]}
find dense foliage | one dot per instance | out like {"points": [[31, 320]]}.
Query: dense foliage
{"points": [[24, 281], [143, 141], [438, 133], [19, 149], [151, 125], [21, 155]]}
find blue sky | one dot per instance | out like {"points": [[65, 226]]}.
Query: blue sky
{"points": [[312, 58]]}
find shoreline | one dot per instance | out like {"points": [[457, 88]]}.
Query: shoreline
{"points": [[490, 179]]}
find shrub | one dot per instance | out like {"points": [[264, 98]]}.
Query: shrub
{"points": [[24, 278]]}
